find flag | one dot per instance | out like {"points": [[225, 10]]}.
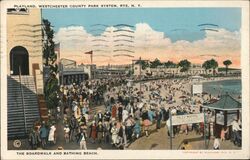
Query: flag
{"points": [[89, 52], [91, 55]]}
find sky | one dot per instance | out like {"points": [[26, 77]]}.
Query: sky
{"points": [[165, 33]]}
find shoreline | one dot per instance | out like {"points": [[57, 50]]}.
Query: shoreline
{"points": [[220, 79]]}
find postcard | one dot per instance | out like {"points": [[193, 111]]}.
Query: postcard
{"points": [[124, 79]]}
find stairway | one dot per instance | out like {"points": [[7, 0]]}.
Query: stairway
{"points": [[43, 108], [16, 106]]}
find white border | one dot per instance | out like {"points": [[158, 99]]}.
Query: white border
{"points": [[140, 154]]}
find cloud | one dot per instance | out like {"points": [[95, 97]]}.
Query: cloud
{"points": [[147, 43]]}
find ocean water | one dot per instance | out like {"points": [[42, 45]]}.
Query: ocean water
{"points": [[232, 87]]}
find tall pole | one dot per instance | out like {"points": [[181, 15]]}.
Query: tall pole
{"points": [[171, 134], [205, 143], [91, 63], [91, 58], [140, 76]]}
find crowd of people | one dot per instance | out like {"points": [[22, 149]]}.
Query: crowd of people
{"points": [[129, 112]]}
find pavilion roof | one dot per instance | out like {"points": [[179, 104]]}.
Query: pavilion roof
{"points": [[226, 102]]}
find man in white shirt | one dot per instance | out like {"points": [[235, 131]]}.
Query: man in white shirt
{"points": [[236, 138], [235, 126], [82, 141], [124, 115]]}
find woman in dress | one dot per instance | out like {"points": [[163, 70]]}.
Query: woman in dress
{"points": [[93, 132], [114, 110], [51, 137]]}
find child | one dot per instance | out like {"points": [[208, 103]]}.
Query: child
{"points": [[216, 143], [223, 133]]}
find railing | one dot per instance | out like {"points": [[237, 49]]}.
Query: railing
{"points": [[24, 111]]}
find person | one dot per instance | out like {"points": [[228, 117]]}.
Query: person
{"points": [[65, 111], [151, 115], [201, 127], [184, 128], [58, 113], [120, 110], [216, 145], [129, 126], [137, 128], [100, 132], [236, 138], [146, 121], [82, 120], [224, 130], [158, 119], [93, 133], [137, 113], [186, 146], [107, 128], [114, 132], [33, 139], [107, 115], [82, 140], [121, 139], [66, 133], [43, 135], [72, 126], [52, 131], [124, 115], [75, 108], [99, 116], [114, 110]]}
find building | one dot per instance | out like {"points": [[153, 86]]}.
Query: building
{"points": [[25, 103], [89, 69], [116, 67], [109, 73], [195, 69], [159, 71], [112, 70], [24, 44], [71, 73]]}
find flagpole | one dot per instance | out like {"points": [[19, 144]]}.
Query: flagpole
{"points": [[171, 130], [91, 62], [91, 59]]}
